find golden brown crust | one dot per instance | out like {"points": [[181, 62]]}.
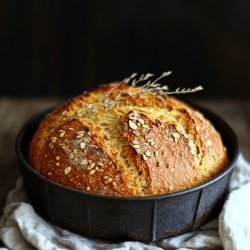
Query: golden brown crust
{"points": [[137, 146]]}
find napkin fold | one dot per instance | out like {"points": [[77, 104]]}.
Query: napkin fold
{"points": [[22, 228]]}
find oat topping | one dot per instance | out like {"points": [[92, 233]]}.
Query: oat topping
{"points": [[84, 162], [150, 140], [64, 147], [132, 125], [108, 180], [61, 133], [91, 172], [92, 165], [80, 134], [135, 142], [138, 151], [53, 139], [71, 156], [67, 170], [176, 135], [82, 145]]}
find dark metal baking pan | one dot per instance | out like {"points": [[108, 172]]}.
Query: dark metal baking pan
{"points": [[118, 218]]}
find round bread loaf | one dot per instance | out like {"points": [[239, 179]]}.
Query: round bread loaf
{"points": [[109, 141]]}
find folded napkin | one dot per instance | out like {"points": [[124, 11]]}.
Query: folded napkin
{"points": [[22, 228]]}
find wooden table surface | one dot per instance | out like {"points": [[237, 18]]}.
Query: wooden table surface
{"points": [[14, 112]]}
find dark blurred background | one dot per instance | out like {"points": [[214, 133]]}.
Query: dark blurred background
{"points": [[58, 48]]}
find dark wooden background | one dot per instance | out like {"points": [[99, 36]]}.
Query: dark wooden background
{"points": [[61, 47]]}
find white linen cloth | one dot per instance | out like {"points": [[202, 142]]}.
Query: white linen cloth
{"points": [[21, 228]]}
